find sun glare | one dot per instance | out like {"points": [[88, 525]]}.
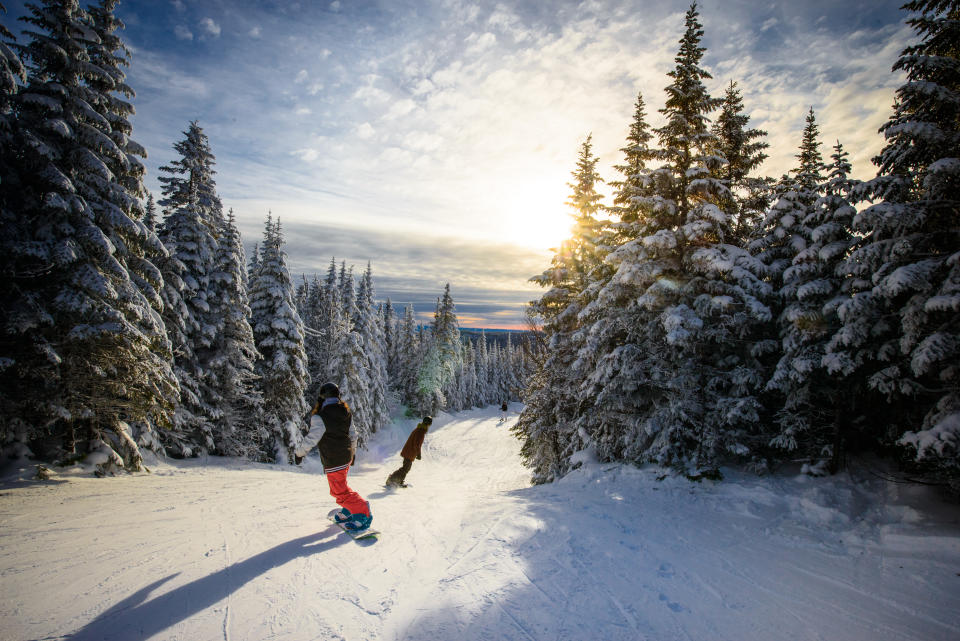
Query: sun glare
{"points": [[538, 218]]}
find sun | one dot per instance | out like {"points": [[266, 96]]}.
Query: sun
{"points": [[537, 217]]}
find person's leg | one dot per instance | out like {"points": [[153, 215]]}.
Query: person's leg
{"points": [[403, 471], [345, 496]]}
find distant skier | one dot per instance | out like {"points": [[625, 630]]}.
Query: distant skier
{"points": [[410, 451], [503, 412], [330, 427]]}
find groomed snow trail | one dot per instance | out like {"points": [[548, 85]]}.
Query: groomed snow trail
{"points": [[225, 550]]}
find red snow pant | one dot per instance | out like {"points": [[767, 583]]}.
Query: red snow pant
{"points": [[343, 494]]}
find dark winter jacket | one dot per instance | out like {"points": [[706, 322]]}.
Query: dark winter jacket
{"points": [[335, 443], [411, 449]]}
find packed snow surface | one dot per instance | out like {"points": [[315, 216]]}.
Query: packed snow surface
{"points": [[223, 549]]}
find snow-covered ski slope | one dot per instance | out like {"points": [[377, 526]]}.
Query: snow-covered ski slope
{"points": [[225, 550]]}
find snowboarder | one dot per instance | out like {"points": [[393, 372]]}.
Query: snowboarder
{"points": [[330, 430], [410, 451], [503, 412]]}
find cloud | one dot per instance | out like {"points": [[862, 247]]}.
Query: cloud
{"points": [[210, 27], [463, 119], [182, 32], [366, 131], [487, 280], [307, 155]]}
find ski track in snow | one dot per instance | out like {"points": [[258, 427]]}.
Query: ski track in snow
{"points": [[227, 550]]}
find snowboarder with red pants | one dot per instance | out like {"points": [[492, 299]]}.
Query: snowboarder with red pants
{"points": [[330, 431], [410, 451]]}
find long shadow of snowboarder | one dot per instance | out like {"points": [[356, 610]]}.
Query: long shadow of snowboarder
{"points": [[137, 618]]}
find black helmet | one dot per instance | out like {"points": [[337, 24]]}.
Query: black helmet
{"points": [[329, 390], [427, 420]]}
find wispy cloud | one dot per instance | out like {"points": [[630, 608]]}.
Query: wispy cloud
{"points": [[461, 119]]}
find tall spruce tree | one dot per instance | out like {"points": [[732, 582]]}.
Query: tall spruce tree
{"points": [[902, 326], [84, 339], [370, 330], [814, 409], [546, 426], [604, 337], [194, 320], [408, 357], [240, 431], [745, 150], [278, 333], [442, 358]]}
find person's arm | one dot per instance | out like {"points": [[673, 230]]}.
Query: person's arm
{"points": [[317, 429]]}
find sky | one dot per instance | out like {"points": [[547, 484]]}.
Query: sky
{"points": [[436, 138]]}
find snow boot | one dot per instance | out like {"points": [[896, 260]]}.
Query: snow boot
{"points": [[342, 516], [357, 522]]}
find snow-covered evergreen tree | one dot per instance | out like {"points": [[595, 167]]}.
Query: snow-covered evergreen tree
{"points": [[409, 357], [608, 318], [389, 325], [370, 329], [902, 324], [348, 363], [278, 332], [193, 220], [546, 425], [240, 431], [685, 379], [442, 359], [85, 342], [744, 150], [150, 213], [814, 405]]}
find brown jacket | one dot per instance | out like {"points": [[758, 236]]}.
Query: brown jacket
{"points": [[411, 449]]}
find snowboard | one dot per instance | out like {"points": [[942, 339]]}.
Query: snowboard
{"points": [[369, 533], [390, 486]]}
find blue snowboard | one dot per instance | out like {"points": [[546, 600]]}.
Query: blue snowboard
{"points": [[357, 536]]}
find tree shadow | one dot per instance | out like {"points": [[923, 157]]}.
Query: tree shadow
{"points": [[137, 618]]}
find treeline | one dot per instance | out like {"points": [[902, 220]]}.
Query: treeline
{"points": [[130, 324], [710, 316], [384, 359]]}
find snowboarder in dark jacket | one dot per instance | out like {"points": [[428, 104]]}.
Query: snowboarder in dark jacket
{"points": [[410, 451], [330, 430]]}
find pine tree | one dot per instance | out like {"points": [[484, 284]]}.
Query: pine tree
{"points": [[150, 214], [278, 333], [442, 359], [744, 150], [408, 357], [349, 364], [607, 317], [192, 221], [685, 379], [815, 406], [369, 329], [901, 327], [546, 425], [87, 342], [240, 431]]}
